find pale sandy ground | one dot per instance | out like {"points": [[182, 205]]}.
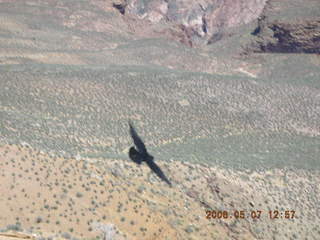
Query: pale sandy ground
{"points": [[47, 196]]}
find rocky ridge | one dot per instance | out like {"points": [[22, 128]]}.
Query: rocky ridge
{"points": [[196, 23], [193, 23]]}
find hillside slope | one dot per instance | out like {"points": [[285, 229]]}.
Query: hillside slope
{"points": [[58, 197], [228, 112]]}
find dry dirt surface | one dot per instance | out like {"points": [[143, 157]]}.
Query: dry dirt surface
{"points": [[53, 197]]}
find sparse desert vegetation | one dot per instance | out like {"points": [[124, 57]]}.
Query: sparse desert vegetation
{"points": [[71, 198]]}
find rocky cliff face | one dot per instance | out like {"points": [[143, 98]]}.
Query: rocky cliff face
{"points": [[196, 23], [192, 22], [284, 37], [294, 33]]}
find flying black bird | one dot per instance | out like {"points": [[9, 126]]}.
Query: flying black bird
{"points": [[140, 154]]}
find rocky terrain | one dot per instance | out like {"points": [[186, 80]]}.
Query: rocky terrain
{"points": [[291, 32], [225, 95], [191, 22]]}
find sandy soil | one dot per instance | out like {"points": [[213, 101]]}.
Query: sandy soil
{"points": [[49, 196]]}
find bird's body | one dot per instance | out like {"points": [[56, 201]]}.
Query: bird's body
{"points": [[140, 154], [135, 155]]}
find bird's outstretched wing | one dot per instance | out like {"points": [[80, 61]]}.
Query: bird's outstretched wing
{"points": [[156, 169], [135, 155], [137, 140], [140, 154]]}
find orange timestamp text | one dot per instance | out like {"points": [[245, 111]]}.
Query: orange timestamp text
{"points": [[253, 214]]}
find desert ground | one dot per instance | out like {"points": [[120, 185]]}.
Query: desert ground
{"points": [[53, 197]]}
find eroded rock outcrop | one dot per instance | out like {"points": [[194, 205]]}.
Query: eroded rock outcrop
{"points": [[12, 235], [193, 22], [288, 37], [283, 29]]}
